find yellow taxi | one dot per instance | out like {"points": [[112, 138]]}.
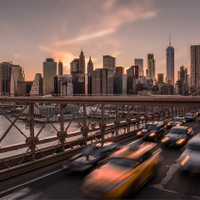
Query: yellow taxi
{"points": [[123, 172]]}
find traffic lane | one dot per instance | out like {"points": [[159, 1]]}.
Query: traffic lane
{"points": [[59, 185], [54, 186], [169, 182]]}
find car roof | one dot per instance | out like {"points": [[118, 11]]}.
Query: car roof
{"points": [[180, 127], [134, 152]]}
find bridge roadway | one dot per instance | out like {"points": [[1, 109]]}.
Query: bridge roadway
{"points": [[169, 183]]}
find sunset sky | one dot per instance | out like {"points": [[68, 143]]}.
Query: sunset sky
{"points": [[32, 30]]}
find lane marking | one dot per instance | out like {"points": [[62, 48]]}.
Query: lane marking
{"points": [[170, 173], [173, 192], [162, 189], [33, 180]]}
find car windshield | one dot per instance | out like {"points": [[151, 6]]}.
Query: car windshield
{"points": [[176, 119], [178, 131], [194, 147], [122, 162], [150, 127]]}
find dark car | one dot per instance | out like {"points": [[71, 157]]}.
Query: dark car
{"points": [[189, 160], [90, 156], [189, 117], [176, 121], [177, 136], [152, 131]]}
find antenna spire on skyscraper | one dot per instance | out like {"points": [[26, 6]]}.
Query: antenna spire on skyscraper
{"points": [[169, 39]]}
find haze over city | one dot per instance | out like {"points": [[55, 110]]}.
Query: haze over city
{"points": [[34, 30]]}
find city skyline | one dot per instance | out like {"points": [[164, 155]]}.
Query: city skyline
{"points": [[126, 30]]}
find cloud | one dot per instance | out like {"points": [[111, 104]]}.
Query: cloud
{"points": [[84, 37], [21, 56], [99, 19]]}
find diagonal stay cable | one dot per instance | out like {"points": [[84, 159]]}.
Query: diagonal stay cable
{"points": [[20, 162], [12, 124], [73, 117], [39, 151], [93, 113], [46, 120], [110, 109]]}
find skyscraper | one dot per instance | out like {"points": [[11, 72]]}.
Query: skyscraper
{"points": [[90, 71], [81, 63], [17, 75], [151, 66], [195, 65], [49, 71], [109, 62], [133, 71], [90, 66], [119, 70], [37, 87], [139, 62], [60, 68], [170, 63], [5, 77]]}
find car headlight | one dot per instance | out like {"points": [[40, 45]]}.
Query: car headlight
{"points": [[168, 124], [177, 124], [165, 139], [180, 141], [152, 134], [139, 133]]}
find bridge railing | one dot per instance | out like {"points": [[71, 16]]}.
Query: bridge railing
{"points": [[37, 129]]}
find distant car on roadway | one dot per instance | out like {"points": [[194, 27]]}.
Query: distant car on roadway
{"points": [[177, 136], [176, 121], [190, 158], [123, 172], [189, 117], [90, 156], [152, 131]]}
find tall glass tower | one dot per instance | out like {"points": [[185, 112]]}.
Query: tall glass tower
{"points": [[49, 71], [170, 63]]}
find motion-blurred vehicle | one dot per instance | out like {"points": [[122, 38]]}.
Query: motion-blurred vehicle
{"points": [[189, 117], [190, 158], [176, 121], [198, 113], [177, 136], [123, 172], [152, 131], [90, 156]]}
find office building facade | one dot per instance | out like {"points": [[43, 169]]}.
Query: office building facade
{"points": [[60, 68], [37, 86], [170, 64], [151, 66], [49, 72], [109, 62], [195, 65], [90, 68], [120, 83], [5, 78], [139, 62]]}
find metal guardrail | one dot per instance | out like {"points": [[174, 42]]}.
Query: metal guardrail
{"points": [[110, 119]]}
